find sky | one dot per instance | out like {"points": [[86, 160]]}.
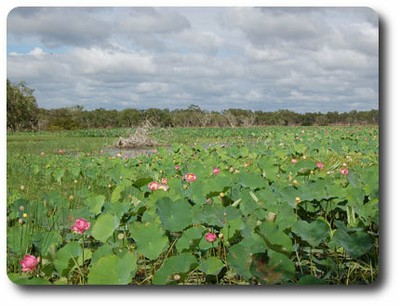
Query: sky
{"points": [[259, 58]]}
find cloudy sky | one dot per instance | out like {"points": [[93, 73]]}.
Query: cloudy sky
{"points": [[301, 59]]}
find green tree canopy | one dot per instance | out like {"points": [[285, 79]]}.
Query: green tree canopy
{"points": [[22, 109]]}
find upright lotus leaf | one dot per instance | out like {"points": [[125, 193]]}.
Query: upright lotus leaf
{"points": [[92, 172], [217, 184], [67, 256], [115, 174], [313, 190], [268, 198], [179, 264], [117, 208], [300, 148], [285, 216], [104, 227], [282, 264], [190, 238], [253, 180], [196, 193], [174, 216], [58, 174], [43, 241], [275, 238], [116, 194], [113, 270], [311, 280], [252, 241], [149, 238], [75, 171], [304, 167], [355, 244], [211, 265], [313, 233], [95, 203], [19, 279], [288, 194], [274, 268], [369, 212], [142, 182], [232, 227], [102, 251], [268, 167], [213, 215], [19, 240], [247, 204], [370, 177], [239, 258]]}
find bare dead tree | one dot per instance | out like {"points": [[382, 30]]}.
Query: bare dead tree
{"points": [[140, 139]]}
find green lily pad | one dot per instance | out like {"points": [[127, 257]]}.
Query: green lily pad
{"points": [[174, 216], [95, 203], [190, 238], [272, 269], [150, 239], [239, 258], [355, 244], [313, 233], [179, 264], [21, 280], [66, 255], [211, 266], [104, 227], [253, 181], [275, 238], [113, 270]]}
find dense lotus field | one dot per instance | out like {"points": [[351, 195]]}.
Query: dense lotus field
{"points": [[242, 206]]}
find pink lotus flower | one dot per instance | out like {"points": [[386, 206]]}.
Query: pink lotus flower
{"points": [[344, 171], [157, 186], [153, 185], [190, 177], [320, 165], [163, 187], [211, 237], [60, 151], [29, 263], [164, 180], [294, 160], [80, 226], [177, 167], [216, 171]]}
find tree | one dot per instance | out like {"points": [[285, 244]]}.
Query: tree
{"points": [[129, 117], [22, 109]]}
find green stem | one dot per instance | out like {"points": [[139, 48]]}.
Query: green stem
{"points": [[83, 249]]}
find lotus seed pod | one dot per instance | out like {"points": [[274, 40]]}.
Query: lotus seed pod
{"points": [[271, 217]]}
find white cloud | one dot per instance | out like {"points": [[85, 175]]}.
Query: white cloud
{"points": [[37, 52], [151, 87], [303, 59], [95, 61], [265, 54], [342, 59]]}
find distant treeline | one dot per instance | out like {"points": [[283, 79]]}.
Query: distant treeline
{"points": [[24, 114], [193, 116]]}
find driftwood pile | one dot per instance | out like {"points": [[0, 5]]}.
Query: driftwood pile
{"points": [[140, 139]]}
